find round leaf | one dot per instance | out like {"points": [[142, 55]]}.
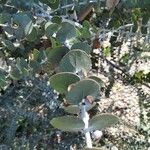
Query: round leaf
{"points": [[4, 17], [51, 28], [83, 46], [68, 123], [75, 109], [102, 121], [97, 79], [23, 23], [82, 89], [72, 109], [66, 32], [61, 81], [75, 61], [15, 74], [55, 55], [33, 35]]}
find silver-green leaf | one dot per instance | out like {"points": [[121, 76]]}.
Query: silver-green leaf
{"points": [[82, 89], [102, 121], [83, 46], [75, 61], [62, 80], [68, 123]]}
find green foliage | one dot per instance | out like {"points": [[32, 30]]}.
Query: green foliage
{"points": [[75, 109], [61, 81], [102, 121], [32, 36], [50, 29], [106, 51], [97, 79], [66, 32], [82, 45], [137, 3], [82, 89], [22, 66], [51, 3], [55, 55], [75, 61], [8, 45], [38, 38], [3, 82], [140, 77], [124, 59], [68, 123], [72, 109], [21, 26]]}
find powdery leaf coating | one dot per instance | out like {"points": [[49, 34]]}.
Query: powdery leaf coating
{"points": [[68, 123], [75, 109], [101, 121], [82, 89], [61, 81], [75, 61], [66, 32]]}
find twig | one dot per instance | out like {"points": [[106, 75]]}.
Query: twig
{"points": [[114, 65], [72, 5], [123, 71], [85, 117], [63, 19]]}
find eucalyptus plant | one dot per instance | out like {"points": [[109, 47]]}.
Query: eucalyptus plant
{"points": [[35, 42], [80, 92]]}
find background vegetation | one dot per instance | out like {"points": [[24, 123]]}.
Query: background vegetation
{"points": [[34, 37]]}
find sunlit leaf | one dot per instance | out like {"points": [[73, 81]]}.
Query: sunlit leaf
{"points": [[66, 32], [15, 74], [75, 61]]}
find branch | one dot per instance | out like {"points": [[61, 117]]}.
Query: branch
{"points": [[123, 71], [73, 5], [114, 65], [85, 117]]}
